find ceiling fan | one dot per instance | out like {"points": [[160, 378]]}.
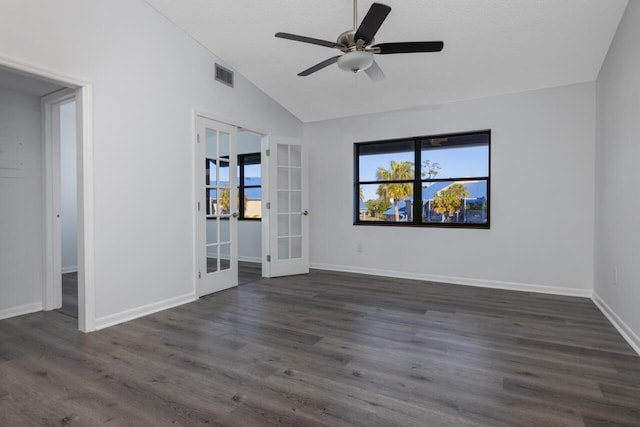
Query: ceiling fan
{"points": [[358, 45]]}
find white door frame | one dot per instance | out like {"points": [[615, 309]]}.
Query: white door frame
{"points": [[84, 136], [51, 104]]}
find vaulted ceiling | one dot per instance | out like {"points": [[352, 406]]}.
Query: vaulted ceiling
{"points": [[491, 47]]}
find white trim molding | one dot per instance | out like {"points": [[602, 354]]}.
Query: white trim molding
{"points": [[20, 310], [482, 283], [86, 261], [50, 106], [145, 310], [627, 333]]}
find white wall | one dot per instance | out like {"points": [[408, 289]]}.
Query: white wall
{"points": [[68, 188], [542, 197], [148, 77], [21, 204], [617, 233]]}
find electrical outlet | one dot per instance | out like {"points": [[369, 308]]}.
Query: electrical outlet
{"points": [[615, 277], [359, 247]]}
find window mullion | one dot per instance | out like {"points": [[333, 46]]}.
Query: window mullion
{"points": [[417, 184]]}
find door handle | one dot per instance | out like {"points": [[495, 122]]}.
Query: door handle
{"points": [[235, 214], [305, 213]]}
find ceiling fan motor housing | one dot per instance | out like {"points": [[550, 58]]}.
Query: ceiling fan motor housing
{"points": [[348, 41]]}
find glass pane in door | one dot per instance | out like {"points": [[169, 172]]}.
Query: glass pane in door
{"points": [[218, 209], [216, 227]]}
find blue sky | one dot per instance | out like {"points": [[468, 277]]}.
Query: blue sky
{"points": [[454, 163]]}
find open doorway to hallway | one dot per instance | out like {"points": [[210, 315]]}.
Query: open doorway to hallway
{"points": [[30, 212], [66, 129], [250, 196]]}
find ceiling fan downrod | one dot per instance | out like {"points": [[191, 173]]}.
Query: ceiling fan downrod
{"points": [[355, 15]]}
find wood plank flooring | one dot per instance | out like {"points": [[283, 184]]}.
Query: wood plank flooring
{"points": [[69, 295], [327, 349]]}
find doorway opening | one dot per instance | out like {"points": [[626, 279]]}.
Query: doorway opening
{"points": [[37, 179], [250, 195], [65, 127]]}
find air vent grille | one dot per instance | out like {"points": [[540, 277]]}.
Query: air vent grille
{"points": [[224, 75]]}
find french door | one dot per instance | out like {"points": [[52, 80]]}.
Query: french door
{"points": [[217, 216], [287, 234]]}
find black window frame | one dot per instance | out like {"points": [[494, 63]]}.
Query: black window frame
{"points": [[461, 139], [245, 159]]}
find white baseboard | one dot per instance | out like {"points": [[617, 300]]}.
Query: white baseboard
{"points": [[250, 259], [20, 310], [494, 284], [72, 269], [627, 333], [134, 313]]}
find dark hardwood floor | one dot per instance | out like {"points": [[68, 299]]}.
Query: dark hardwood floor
{"points": [[247, 272], [69, 295], [331, 349]]}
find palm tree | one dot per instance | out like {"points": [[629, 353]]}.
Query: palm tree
{"points": [[398, 171], [449, 200], [225, 200]]}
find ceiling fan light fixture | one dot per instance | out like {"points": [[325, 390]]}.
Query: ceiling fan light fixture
{"points": [[355, 61]]}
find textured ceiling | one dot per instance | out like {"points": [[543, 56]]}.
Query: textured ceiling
{"points": [[491, 47]]}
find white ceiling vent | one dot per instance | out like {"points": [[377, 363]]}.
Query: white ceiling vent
{"points": [[224, 75]]}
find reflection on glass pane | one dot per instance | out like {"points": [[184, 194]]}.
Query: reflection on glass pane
{"points": [[211, 138], [211, 201], [296, 201], [296, 178], [223, 173], [296, 155], [212, 231], [210, 172], [379, 156], [283, 155], [212, 259], [225, 140], [225, 257], [283, 224], [296, 224], [283, 178], [296, 247], [455, 202], [283, 248], [283, 201], [225, 232], [455, 162]]}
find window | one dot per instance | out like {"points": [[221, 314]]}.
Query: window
{"points": [[451, 179], [249, 186]]}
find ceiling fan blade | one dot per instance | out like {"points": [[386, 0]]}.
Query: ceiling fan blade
{"points": [[304, 39], [371, 23], [319, 66], [375, 72], [408, 47]]}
